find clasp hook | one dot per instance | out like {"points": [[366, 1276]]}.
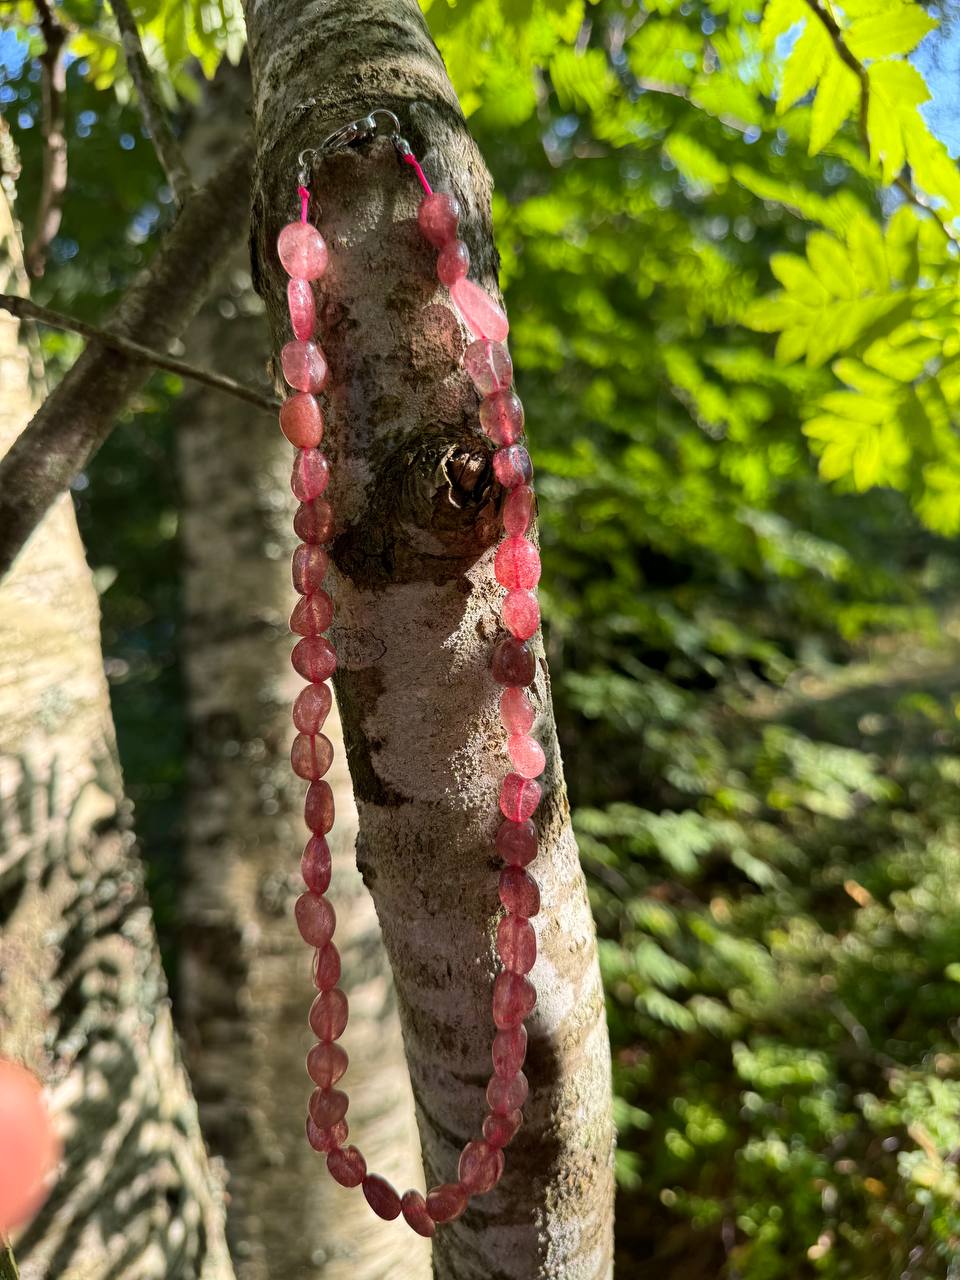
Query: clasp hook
{"points": [[354, 134]]}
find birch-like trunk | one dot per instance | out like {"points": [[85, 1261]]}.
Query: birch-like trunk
{"points": [[82, 996], [416, 618]]}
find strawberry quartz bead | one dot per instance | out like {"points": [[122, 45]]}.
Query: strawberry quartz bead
{"points": [[309, 568], [415, 1212], [326, 967], [316, 865], [518, 511], [483, 317], [513, 662], [311, 755], [517, 564], [304, 365], [489, 366], [312, 615], [303, 308], [521, 614], [500, 1130], [438, 217], [508, 1051], [516, 711], [313, 521], [517, 843], [311, 474], [326, 1063], [347, 1166], [326, 1140], [381, 1197], [519, 892], [453, 262], [512, 466], [316, 919], [328, 1015], [507, 1093], [513, 1000], [516, 943], [312, 707], [328, 1107], [501, 416], [447, 1202], [301, 421], [480, 1168], [302, 251], [318, 808], [526, 755], [315, 658]]}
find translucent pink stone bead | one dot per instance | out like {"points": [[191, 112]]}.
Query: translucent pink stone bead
{"points": [[518, 511], [328, 1107], [318, 808], [516, 711], [519, 892], [508, 1051], [447, 1202], [327, 1139], [312, 615], [517, 564], [313, 521], [381, 1197], [438, 217], [500, 1130], [310, 475], [512, 466], [302, 251], [301, 421], [453, 262], [311, 755], [513, 662], [415, 1212], [312, 707], [315, 658], [516, 943], [483, 317], [513, 1000], [328, 1015], [309, 568], [347, 1166], [489, 366], [480, 1168], [316, 919], [326, 1063], [303, 308], [316, 865], [526, 755], [326, 967], [501, 416], [507, 1093], [304, 365], [517, 842], [521, 614]]}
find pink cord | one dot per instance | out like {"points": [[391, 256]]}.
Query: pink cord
{"points": [[414, 164], [304, 195]]}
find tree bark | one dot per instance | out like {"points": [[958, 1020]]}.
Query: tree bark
{"points": [[416, 616], [82, 996]]}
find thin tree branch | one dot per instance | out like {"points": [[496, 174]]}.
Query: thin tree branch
{"points": [[54, 183], [24, 309], [164, 143], [77, 416]]}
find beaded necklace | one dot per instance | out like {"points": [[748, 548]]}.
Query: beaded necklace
{"points": [[303, 254]]}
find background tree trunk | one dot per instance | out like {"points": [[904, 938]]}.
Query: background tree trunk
{"points": [[82, 995], [416, 616]]}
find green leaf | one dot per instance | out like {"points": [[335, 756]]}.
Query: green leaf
{"points": [[695, 162], [896, 90], [778, 17], [889, 33], [838, 93], [803, 67]]}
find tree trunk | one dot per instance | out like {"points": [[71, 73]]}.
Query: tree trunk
{"points": [[416, 617], [246, 973], [82, 995]]}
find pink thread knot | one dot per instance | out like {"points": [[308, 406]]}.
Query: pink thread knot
{"points": [[304, 195]]}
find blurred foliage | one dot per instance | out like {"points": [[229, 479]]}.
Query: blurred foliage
{"points": [[727, 247]]}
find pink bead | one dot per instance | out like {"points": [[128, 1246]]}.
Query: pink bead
{"points": [[326, 967], [513, 662], [309, 568], [311, 755], [519, 892], [347, 1166], [518, 511], [526, 755], [326, 1140], [326, 1063], [328, 1107], [316, 865], [513, 1000], [381, 1197], [517, 842], [312, 615], [489, 366], [313, 521], [453, 262], [501, 416], [318, 808], [302, 250], [304, 365], [519, 797], [516, 711], [303, 308], [438, 217], [483, 317], [447, 1202], [415, 1212], [328, 1015], [316, 919], [517, 564], [480, 1168], [315, 658], [507, 1093], [500, 1130], [521, 614], [508, 1052], [516, 942], [311, 474], [512, 466], [301, 421], [312, 707]]}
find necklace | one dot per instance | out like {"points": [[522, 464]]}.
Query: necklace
{"points": [[304, 256]]}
